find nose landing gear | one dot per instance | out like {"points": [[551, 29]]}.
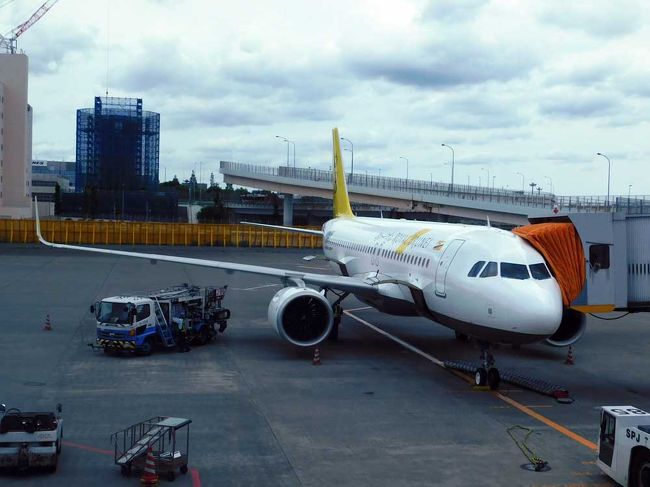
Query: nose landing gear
{"points": [[488, 374]]}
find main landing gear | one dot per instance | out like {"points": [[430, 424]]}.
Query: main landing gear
{"points": [[488, 374], [337, 310]]}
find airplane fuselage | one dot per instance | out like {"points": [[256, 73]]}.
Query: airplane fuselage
{"points": [[480, 281]]}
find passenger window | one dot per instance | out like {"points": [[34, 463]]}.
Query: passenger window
{"points": [[490, 270], [514, 271], [599, 256], [539, 271], [476, 268]]}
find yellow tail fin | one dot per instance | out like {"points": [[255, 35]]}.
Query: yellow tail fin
{"points": [[341, 199]]}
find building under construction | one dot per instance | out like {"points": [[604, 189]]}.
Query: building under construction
{"points": [[117, 146]]}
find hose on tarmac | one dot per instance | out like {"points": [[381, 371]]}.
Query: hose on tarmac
{"points": [[538, 463]]}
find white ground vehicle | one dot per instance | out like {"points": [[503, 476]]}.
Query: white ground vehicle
{"points": [[624, 445], [30, 439]]}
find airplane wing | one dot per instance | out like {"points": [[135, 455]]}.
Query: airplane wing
{"points": [[289, 277], [286, 229]]}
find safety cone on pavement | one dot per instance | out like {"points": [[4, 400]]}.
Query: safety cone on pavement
{"points": [[569, 358], [316, 359], [149, 476], [47, 326]]}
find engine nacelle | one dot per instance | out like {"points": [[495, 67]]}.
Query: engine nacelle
{"points": [[301, 315], [571, 329]]}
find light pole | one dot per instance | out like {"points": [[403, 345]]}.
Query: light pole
{"points": [[609, 172], [550, 181], [523, 181], [352, 152], [294, 149], [451, 188], [493, 182], [487, 183], [629, 189]]}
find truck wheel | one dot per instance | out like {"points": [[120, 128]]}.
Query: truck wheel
{"points": [[146, 348], [640, 469], [183, 469]]}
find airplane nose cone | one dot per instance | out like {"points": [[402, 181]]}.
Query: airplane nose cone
{"points": [[541, 311]]}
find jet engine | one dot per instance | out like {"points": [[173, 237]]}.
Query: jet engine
{"points": [[301, 315], [571, 329]]}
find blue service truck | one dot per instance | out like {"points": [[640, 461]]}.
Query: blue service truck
{"points": [[159, 318]]}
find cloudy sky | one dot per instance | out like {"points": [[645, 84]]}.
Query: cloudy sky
{"points": [[514, 86]]}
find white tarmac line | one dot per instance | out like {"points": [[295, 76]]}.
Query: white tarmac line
{"points": [[254, 288], [413, 349]]}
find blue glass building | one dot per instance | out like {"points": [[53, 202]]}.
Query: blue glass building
{"points": [[117, 146]]}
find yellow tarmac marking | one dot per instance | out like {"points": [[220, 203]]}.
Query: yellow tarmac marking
{"points": [[517, 405]]}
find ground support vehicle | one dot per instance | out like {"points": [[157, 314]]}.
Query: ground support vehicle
{"points": [[30, 439], [168, 437], [624, 445], [139, 323]]}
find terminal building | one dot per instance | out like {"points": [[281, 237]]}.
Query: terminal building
{"points": [[65, 171], [15, 138], [117, 146]]}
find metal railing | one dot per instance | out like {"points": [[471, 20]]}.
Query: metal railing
{"points": [[539, 199]]}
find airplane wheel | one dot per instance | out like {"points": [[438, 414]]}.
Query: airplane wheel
{"points": [[493, 378], [461, 337], [480, 378]]}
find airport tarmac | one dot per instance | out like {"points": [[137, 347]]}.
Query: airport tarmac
{"points": [[373, 413]]}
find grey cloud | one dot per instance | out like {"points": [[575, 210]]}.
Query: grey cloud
{"points": [[248, 91], [450, 62], [232, 112], [635, 83], [48, 50], [572, 158], [452, 10], [579, 105], [583, 75], [600, 19], [472, 112]]}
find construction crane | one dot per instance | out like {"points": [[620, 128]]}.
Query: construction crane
{"points": [[9, 42]]}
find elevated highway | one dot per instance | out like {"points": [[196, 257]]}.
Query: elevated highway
{"points": [[503, 206]]}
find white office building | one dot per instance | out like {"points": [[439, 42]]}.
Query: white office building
{"points": [[15, 138]]}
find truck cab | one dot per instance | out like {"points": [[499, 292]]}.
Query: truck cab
{"points": [[624, 445], [125, 323]]}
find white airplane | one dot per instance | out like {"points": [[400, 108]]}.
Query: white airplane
{"points": [[482, 282]]}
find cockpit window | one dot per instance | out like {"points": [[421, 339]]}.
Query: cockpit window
{"points": [[539, 271], [514, 271], [476, 268], [490, 270]]}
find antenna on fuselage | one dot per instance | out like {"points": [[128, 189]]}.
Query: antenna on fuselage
{"points": [[488, 220]]}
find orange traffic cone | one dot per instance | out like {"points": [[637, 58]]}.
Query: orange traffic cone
{"points": [[149, 476], [316, 359], [47, 326], [569, 358]]}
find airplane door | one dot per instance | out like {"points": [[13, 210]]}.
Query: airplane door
{"points": [[444, 263]]}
